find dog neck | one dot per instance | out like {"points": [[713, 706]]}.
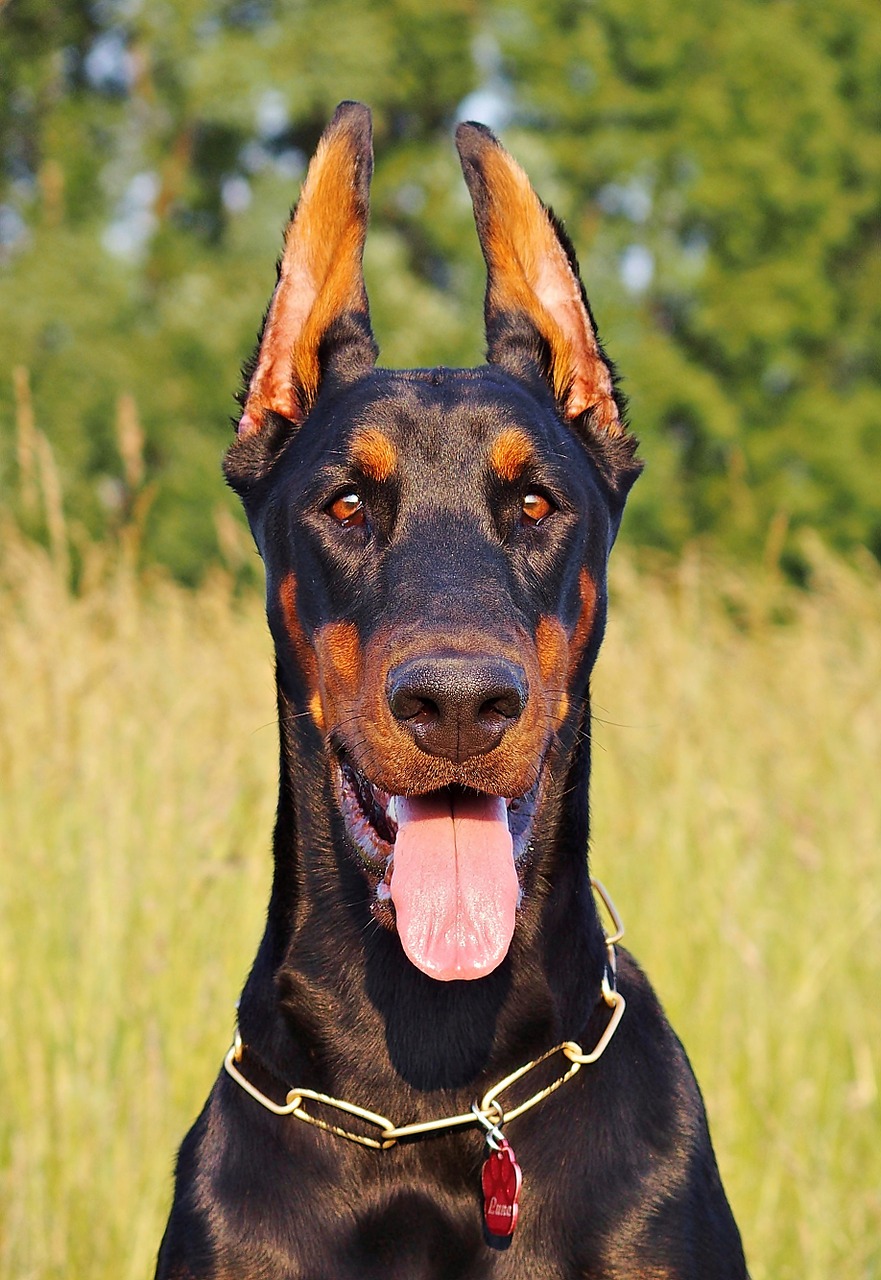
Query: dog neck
{"points": [[331, 991]]}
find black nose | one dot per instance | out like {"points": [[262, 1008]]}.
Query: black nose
{"points": [[455, 705]]}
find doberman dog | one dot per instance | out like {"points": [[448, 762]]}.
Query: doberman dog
{"points": [[434, 988]]}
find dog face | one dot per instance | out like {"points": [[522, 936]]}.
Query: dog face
{"points": [[435, 544]]}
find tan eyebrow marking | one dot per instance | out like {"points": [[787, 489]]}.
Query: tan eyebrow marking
{"points": [[510, 453], [374, 454]]}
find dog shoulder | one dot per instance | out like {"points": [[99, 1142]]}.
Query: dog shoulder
{"points": [[669, 1192]]}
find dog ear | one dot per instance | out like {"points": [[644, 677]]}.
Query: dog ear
{"points": [[318, 318], [537, 314]]}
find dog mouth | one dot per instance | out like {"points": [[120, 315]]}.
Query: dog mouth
{"points": [[443, 867]]}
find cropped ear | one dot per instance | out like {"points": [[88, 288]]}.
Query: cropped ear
{"points": [[537, 314], [318, 314]]}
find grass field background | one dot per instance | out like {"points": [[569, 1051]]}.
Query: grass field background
{"points": [[737, 823]]}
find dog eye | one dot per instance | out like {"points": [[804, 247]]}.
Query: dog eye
{"points": [[347, 509], [534, 508]]}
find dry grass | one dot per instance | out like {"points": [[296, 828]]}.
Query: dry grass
{"points": [[737, 824]]}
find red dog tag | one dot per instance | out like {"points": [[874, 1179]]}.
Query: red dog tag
{"points": [[501, 1180]]}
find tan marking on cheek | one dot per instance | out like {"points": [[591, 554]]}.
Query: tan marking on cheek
{"points": [[584, 625], [382, 732], [374, 454], [552, 649], [339, 648], [316, 711], [550, 645], [510, 454], [305, 655], [339, 664]]}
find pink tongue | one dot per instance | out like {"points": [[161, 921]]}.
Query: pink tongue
{"points": [[454, 884]]}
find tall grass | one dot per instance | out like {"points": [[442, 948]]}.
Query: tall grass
{"points": [[737, 822], [738, 814]]}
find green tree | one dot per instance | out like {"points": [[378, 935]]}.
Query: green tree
{"points": [[718, 169]]}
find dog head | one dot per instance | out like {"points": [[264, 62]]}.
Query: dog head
{"points": [[435, 544]]}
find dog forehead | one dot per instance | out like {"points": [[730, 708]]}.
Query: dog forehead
{"points": [[447, 418]]}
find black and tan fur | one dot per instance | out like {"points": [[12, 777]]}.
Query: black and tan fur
{"points": [[435, 544]]}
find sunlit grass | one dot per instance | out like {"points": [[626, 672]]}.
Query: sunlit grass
{"points": [[737, 823], [738, 816]]}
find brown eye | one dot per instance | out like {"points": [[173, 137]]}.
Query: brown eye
{"points": [[348, 509], [534, 508]]}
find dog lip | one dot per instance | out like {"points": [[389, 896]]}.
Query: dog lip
{"points": [[369, 814], [365, 810]]}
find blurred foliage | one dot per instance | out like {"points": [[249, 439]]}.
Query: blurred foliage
{"points": [[719, 169]]}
